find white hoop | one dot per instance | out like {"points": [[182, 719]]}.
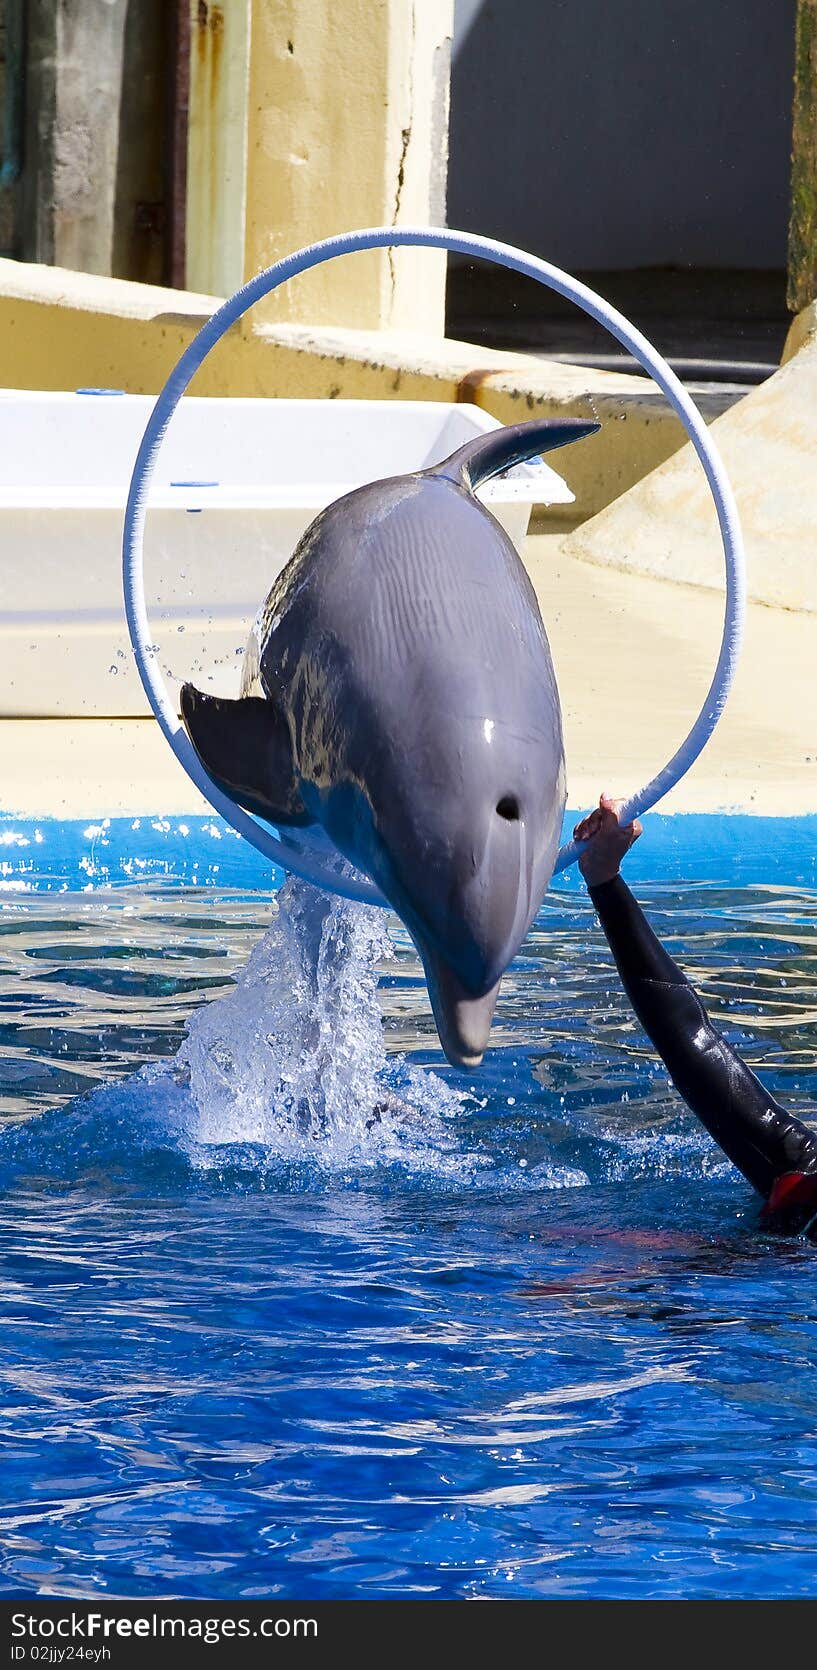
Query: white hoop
{"points": [[463, 243]]}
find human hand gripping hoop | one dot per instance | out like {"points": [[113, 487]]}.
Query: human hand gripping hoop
{"points": [[463, 243]]}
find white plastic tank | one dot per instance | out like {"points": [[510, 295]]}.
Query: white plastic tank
{"points": [[236, 484]]}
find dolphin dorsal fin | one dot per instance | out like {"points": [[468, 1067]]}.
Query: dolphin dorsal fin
{"points": [[246, 747], [487, 455]]}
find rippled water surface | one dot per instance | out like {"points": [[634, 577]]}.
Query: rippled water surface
{"points": [[290, 1308]]}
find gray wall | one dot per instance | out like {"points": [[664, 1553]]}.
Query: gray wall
{"points": [[624, 133]]}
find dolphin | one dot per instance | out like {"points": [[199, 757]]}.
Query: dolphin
{"points": [[398, 691]]}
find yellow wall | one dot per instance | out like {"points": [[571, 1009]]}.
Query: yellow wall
{"points": [[347, 127]]}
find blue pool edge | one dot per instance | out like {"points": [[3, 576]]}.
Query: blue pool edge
{"points": [[52, 854]]}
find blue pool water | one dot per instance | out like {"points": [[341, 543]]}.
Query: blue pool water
{"points": [[289, 1308]]}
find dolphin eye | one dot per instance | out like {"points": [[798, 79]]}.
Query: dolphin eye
{"points": [[508, 808]]}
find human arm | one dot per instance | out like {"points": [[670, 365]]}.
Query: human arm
{"points": [[766, 1143]]}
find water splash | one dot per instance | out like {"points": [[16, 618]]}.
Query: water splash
{"points": [[284, 1078], [292, 1061]]}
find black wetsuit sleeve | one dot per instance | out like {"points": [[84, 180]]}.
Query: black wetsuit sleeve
{"points": [[759, 1137]]}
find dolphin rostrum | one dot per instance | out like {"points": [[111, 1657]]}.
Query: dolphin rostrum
{"points": [[398, 690]]}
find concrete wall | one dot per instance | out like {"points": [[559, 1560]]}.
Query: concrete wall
{"points": [[347, 127], [624, 133], [73, 88], [141, 208], [305, 117]]}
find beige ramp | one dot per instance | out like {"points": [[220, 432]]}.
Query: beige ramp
{"points": [[665, 526]]}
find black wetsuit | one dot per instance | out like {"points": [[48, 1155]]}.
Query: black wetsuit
{"points": [[773, 1149]]}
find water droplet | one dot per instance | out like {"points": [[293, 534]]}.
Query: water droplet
{"points": [[113, 669]]}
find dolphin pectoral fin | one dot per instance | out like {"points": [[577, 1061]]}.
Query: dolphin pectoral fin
{"points": [[245, 746], [463, 1021], [487, 455]]}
